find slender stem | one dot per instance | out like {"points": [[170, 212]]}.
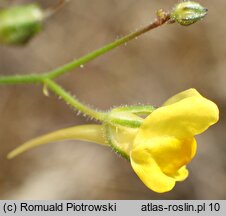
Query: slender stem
{"points": [[38, 78], [160, 20], [69, 99], [21, 79], [46, 78]]}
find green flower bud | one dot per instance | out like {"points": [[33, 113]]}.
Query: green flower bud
{"points": [[188, 12], [18, 24]]}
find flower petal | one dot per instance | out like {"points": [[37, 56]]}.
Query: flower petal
{"points": [[149, 172], [182, 95], [181, 174], [185, 118], [169, 153]]}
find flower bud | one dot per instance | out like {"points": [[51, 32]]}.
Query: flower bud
{"points": [[18, 24], [188, 12]]}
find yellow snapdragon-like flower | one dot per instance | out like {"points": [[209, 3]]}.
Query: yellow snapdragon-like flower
{"points": [[159, 147], [165, 142]]}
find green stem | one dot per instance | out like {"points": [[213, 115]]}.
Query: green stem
{"points": [[69, 99], [38, 78], [21, 79], [70, 66], [46, 78]]}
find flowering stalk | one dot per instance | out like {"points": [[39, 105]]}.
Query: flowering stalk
{"points": [[46, 78], [158, 142]]}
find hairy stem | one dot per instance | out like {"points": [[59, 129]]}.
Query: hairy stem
{"points": [[70, 100], [70, 66], [162, 18]]}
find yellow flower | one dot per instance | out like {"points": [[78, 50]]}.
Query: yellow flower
{"points": [[159, 147], [165, 144]]}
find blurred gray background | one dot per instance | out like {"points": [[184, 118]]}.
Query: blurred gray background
{"points": [[148, 70]]}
